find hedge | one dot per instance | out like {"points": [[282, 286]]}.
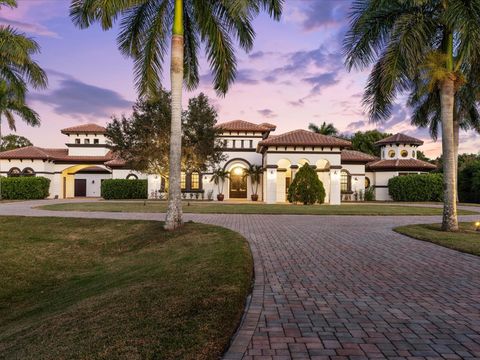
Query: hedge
{"points": [[25, 188], [421, 187], [469, 183], [124, 189]]}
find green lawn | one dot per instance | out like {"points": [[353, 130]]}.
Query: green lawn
{"points": [[466, 240], [242, 208], [107, 289]]}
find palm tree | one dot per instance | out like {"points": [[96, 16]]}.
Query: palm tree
{"points": [[324, 129], [435, 40], [255, 173], [218, 178], [145, 28]]}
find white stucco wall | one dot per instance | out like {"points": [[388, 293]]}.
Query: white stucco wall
{"points": [[93, 182]]}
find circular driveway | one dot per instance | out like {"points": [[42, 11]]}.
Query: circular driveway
{"points": [[343, 287]]}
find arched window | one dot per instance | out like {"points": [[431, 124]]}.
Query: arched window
{"points": [[345, 182], [404, 153], [132, 177], [194, 181], [28, 172], [367, 182], [14, 172], [391, 153]]}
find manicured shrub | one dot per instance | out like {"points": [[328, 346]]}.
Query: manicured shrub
{"points": [[370, 194], [25, 188], [306, 187], [124, 189], [469, 183], [416, 187]]}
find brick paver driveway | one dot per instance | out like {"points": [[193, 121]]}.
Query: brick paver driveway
{"points": [[345, 287]]}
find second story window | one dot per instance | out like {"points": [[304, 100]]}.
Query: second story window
{"points": [[77, 141], [242, 143], [96, 141], [251, 143], [233, 143], [86, 141]]}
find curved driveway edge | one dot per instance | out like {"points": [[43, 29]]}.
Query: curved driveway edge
{"points": [[343, 287]]}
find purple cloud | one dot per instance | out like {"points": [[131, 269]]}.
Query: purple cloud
{"points": [[321, 81], [325, 13], [268, 113]]}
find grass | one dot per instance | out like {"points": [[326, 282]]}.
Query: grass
{"points": [[466, 240], [107, 289], [245, 208]]}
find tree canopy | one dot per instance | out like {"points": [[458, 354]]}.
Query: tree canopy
{"points": [[143, 138], [365, 141], [325, 129], [12, 141]]}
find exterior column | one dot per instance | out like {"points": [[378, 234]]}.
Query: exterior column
{"points": [[335, 191], [294, 169], [271, 188], [281, 184]]}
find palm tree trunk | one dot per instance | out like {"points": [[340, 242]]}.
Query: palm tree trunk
{"points": [[174, 211], [456, 140], [450, 221]]}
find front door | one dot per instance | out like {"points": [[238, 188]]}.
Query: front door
{"points": [[238, 184], [80, 187]]}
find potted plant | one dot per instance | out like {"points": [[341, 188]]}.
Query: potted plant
{"points": [[254, 172], [219, 176]]}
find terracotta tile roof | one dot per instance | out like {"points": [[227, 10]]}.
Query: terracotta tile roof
{"points": [[304, 138], [401, 164], [353, 156], [269, 126], [399, 139], [37, 153], [86, 128], [242, 125], [116, 162]]}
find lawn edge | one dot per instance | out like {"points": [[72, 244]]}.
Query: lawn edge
{"points": [[420, 238]]}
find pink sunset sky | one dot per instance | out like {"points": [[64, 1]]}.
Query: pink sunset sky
{"points": [[293, 76]]}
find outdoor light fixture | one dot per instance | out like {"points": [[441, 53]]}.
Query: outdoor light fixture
{"points": [[477, 226], [238, 171], [356, 179]]}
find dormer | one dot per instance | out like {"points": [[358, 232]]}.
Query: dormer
{"points": [[86, 140], [399, 147]]}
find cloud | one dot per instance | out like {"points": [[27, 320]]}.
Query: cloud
{"points": [[320, 57], [323, 13], [357, 125], [32, 28], [78, 99], [268, 113], [243, 76], [297, 103], [321, 81]]}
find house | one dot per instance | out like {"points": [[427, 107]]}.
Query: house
{"points": [[78, 169]]}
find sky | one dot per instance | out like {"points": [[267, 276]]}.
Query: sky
{"points": [[293, 76]]}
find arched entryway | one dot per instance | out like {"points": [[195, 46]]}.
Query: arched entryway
{"points": [[238, 183], [83, 180]]}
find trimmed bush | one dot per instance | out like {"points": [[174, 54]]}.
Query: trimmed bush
{"points": [[416, 187], [25, 188], [306, 187], [370, 194], [124, 189], [469, 183]]}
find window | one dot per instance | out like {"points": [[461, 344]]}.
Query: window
{"points": [[242, 143], [367, 182], [77, 141], [14, 172], [183, 181], [28, 172], [233, 143], [345, 181], [132, 177], [225, 143], [86, 141], [404, 153], [195, 181], [96, 141], [413, 153], [391, 153], [251, 143]]}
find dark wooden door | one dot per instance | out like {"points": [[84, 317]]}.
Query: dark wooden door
{"points": [[238, 185], [80, 187]]}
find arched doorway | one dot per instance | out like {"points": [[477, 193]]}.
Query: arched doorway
{"points": [[238, 183]]}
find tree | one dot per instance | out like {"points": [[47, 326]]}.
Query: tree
{"points": [[365, 141], [218, 178], [10, 142], [407, 40], [306, 187], [324, 129], [145, 29], [421, 156], [255, 173], [143, 139]]}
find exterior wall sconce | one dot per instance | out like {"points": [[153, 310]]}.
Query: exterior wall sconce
{"points": [[93, 181], [356, 179]]}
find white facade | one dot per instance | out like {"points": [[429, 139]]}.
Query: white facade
{"points": [[80, 169]]}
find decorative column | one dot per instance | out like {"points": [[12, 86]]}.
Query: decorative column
{"points": [[281, 185], [271, 188], [335, 190]]}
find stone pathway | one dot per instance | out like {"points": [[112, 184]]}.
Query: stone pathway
{"points": [[344, 287]]}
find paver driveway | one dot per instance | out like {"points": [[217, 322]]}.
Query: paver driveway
{"points": [[345, 287]]}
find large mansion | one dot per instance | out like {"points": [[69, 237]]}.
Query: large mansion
{"points": [[78, 169]]}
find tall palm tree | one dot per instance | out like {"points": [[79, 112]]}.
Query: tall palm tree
{"points": [[145, 28], [324, 129], [409, 39]]}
